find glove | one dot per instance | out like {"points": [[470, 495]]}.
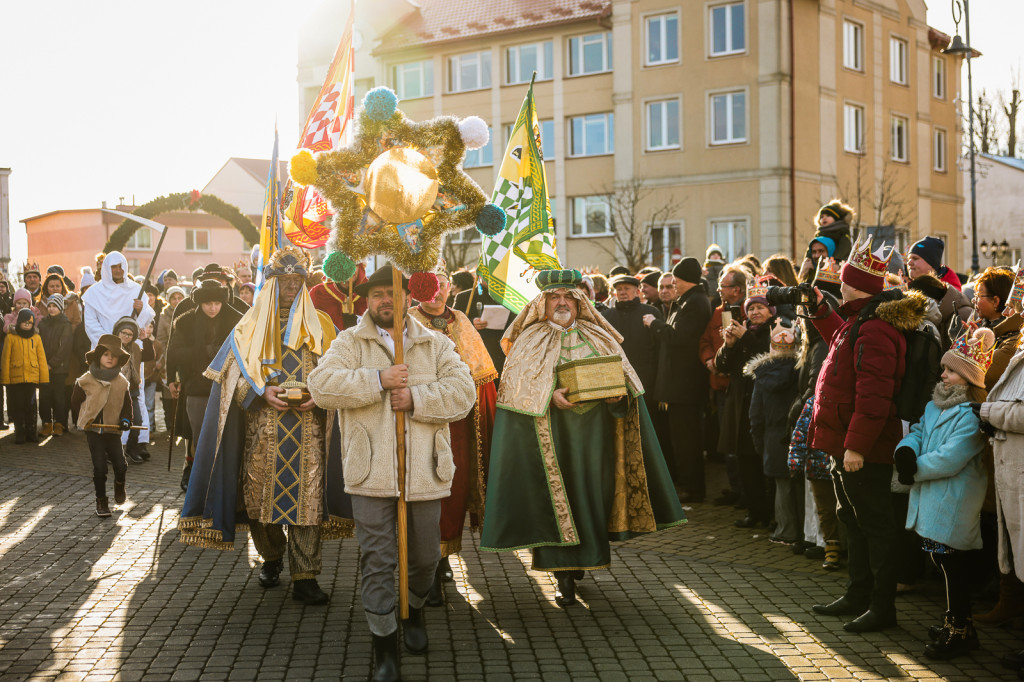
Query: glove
{"points": [[906, 464], [985, 427], [126, 424], [976, 408]]}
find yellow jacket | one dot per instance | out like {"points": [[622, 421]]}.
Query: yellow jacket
{"points": [[23, 360]]}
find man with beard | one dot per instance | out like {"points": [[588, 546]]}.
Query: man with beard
{"points": [[264, 440], [33, 280], [433, 387], [561, 472], [114, 296]]}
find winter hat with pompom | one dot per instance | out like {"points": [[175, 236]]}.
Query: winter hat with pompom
{"points": [[971, 356]]}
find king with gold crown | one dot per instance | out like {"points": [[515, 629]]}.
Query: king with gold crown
{"points": [[262, 459]]}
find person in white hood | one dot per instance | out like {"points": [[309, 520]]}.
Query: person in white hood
{"points": [[114, 296]]}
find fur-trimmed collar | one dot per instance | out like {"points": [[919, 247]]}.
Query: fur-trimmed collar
{"points": [[765, 359], [944, 397], [904, 313]]}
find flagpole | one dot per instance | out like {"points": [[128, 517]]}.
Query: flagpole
{"points": [[403, 523]]}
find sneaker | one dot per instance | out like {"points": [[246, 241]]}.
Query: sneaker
{"points": [[58, 429], [779, 541]]}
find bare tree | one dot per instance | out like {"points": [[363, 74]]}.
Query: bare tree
{"points": [[1011, 106], [462, 253], [633, 218], [879, 202], [985, 131]]}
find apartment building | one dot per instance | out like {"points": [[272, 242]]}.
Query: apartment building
{"points": [[737, 118]]}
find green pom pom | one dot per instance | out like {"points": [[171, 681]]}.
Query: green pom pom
{"points": [[338, 267], [380, 103], [491, 220]]}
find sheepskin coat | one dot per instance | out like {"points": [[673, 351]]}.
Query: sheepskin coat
{"points": [[1004, 409], [347, 380]]}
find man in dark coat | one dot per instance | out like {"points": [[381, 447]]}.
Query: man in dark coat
{"points": [[682, 380], [855, 421], [626, 315]]}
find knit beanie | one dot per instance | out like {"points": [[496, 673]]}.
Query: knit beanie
{"points": [[57, 300], [930, 286], [970, 357], [833, 209], [688, 270], [651, 279], [930, 250], [618, 270], [24, 294], [129, 322], [714, 249], [174, 290], [55, 270]]}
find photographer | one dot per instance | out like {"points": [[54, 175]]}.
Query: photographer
{"points": [[856, 422]]}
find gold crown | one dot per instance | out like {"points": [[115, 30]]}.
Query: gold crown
{"points": [[873, 263], [758, 288], [31, 266], [288, 258], [976, 348], [783, 338], [1017, 293], [828, 271]]}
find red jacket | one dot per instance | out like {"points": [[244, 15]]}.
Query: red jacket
{"points": [[853, 399], [710, 342], [329, 297], [950, 277]]}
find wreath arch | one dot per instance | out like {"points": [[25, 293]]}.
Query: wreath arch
{"points": [[191, 201]]}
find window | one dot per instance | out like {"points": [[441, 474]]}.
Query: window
{"points": [[469, 72], [939, 84], [853, 45], [547, 138], [728, 33], [484, 156], [412, 80], [853, 128], [592, 135], [522, 60], [731, 235], [663, 39], [729, 118], [666, 242], [470, 235], [590, 54], [591, 216], [898, 60], [663, 124], [939, 151], [900, 141], [197, 240], [134, 266], [141, 239]]}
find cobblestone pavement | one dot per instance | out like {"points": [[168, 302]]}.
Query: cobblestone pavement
{"points": [[120, 598]]}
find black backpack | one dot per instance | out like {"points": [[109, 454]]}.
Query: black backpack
{"points": [[923, 361]]}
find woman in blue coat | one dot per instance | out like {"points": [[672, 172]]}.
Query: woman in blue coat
{"points": [[941, 458]]}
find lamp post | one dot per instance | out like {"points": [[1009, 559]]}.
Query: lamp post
{"points": [[956, 47], [995, 251]]}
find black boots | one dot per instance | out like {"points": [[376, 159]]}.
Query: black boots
{"points": [[435, 597], [30, 432], [270, 573], [119, 492], [185, 473], [102, 510], [840, 607], [957, 637], [414, 632], [386, 665], [309, 593], [444, 569], [566, 592]]}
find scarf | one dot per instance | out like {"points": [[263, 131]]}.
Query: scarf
{"points": [[103, 374], [945, 396]]}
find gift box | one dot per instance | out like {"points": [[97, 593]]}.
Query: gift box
{"points": [[592, 378]]}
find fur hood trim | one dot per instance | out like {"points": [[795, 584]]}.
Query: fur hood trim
{"points": [[904, 313], [764, 359]]}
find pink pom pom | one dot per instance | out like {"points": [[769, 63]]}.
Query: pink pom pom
{"points": [[423, 286]]}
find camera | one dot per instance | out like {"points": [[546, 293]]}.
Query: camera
{"points": [[801, 294]]}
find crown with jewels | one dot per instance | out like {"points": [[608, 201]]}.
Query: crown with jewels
{"points": [[1017, 293], [828, 271], [758, 288], [784, 339], [894, 281], [976, 348], [31, 266], [871, 262], [288, 260]]}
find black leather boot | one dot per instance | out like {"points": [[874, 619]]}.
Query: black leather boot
{"points": [[185, 474], [414, 632], [566, 592], [435, 597], [270, 573], [956, 639], [386, 663], [120, 494], [444, 567], [309, 593], [935, 631], [102, 510], [840, 607]]}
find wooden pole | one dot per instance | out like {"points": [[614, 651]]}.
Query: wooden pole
{"points": [[403, 523]]}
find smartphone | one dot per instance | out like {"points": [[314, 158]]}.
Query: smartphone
{"points": [[726, 318]]}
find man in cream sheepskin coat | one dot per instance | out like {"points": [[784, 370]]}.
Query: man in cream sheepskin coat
{"points": [[433, 387]]}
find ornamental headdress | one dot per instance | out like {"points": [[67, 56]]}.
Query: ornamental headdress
{"points": [[865, 269], [1017, 293], [288, 260], [398, 188], [758, 287], [784, 339], [827, 272], [558, 279], [971, 356], [31, 266]]}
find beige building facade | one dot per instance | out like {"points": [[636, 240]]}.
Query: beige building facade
{"points": [[735, 133]]}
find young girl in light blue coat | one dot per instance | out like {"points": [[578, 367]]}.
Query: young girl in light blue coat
{"points": [[941, 458]]}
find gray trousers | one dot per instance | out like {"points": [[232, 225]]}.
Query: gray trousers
{"points": [[377, 532]]}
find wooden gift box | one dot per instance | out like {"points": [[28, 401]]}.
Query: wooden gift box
{"points": [[592, 378]]}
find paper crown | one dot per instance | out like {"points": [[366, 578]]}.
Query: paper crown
{"points": [[783, 338], [758, 287], [975, 349], [894, 281], [871, 262], [1017, 293], [828, 271], [31, 266]]}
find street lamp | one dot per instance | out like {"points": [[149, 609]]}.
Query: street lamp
{"points": [[958, 48], [994, 251]]}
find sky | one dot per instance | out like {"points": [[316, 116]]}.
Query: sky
{"points": [[140, 98]]}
